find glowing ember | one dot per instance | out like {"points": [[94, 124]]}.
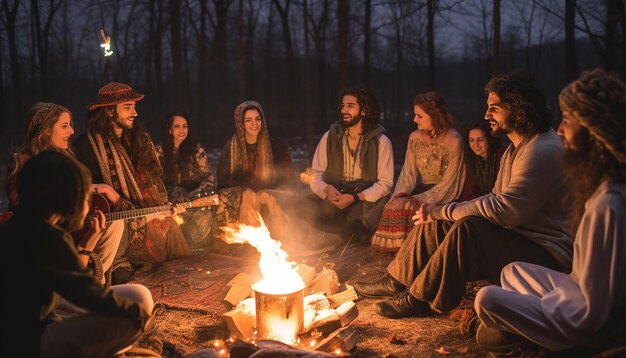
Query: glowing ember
{"points": [[279, 275]]}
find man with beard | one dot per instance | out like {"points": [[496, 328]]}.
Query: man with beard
{"points": [[587, 307], [522, 219], [121, 153], [352, 169]]}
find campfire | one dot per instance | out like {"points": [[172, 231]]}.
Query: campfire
{"points": [[278, 309]]}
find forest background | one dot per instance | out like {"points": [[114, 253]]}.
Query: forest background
{"points": [[204, 57]]}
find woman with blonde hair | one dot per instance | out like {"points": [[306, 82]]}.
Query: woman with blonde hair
{"points": [[433, 170]]}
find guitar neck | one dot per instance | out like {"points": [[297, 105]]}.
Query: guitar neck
{"points": [[137, 213]]}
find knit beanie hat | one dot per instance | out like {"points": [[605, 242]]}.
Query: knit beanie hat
{"points": [[597, 100]]}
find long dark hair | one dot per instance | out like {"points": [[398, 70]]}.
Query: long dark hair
{"points": [[368, 103], [483, 126], [522, 96], [179, 163], [136, 140], [436, 107], [54, 183]]}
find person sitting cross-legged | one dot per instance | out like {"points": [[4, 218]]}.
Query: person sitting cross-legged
{"points": [[43, 270], [522, 219], [585, 309]]}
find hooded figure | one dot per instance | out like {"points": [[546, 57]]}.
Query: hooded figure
{"points": [[251, 158]]}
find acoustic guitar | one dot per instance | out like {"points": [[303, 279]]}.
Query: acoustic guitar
{"points": [[100, 202]]}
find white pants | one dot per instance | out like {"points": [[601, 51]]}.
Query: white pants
{"points": [[516, 306]]}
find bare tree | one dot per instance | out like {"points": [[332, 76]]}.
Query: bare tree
{"points": [[42, 37], [283, 13], [495, 52], [367, 41], [176, 53], [571, 63], [241, 65], [431, 8], [319, 26], [307, 81], [342, 42], [9, 21]]}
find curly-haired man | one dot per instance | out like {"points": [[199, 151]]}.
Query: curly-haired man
{"points": [[522, 219], [586, 308], [352, 169]]}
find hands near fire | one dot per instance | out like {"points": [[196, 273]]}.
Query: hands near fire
{"points": [[422, 215], [337, 198]]}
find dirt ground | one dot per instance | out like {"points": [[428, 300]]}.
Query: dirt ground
{"points": [[178, 332]]}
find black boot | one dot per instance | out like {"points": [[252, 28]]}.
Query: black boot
{"points": [[387, 286], [403, 305]]}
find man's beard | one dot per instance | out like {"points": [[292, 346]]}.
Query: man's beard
{"points": [[117, 121], [351, 122], [502, 131], [583, 171]]}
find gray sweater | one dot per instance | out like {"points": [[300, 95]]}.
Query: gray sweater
{"points": [[527, 197]]}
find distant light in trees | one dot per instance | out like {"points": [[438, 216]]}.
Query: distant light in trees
{"points": [[106, 44]]}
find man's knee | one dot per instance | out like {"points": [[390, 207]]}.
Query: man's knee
{"points": [[466, 228], [487, 300]]}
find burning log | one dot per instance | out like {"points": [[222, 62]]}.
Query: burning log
{"points": [[348, 295], [240, 288], [338, 342], [278, 310], [241, 321], [319, 314]]}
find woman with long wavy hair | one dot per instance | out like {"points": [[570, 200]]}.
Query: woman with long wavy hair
{"points": [[433, 170], [187, 174]]}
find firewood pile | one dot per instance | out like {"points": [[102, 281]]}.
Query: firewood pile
{"points": [[329, 309]]}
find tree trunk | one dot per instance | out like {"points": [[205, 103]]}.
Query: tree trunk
{"points": [[219, 58], [431, 8], [571, 63], [241, 51], [283, 13], [11, 16], [158, 53], [342, 42], [495, 55], [612, 18], [307, 82], [367, 42], [176, 53]]}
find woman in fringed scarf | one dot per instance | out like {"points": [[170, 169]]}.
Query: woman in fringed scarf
{"points": [[253, 172], [253, 159]]}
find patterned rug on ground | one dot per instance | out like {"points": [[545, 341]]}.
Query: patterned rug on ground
{"points": [[196, 282]]}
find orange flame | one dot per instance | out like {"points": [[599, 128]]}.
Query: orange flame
{"points": [[279, 275]]}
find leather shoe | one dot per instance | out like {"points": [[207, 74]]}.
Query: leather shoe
{"points": [[495, 340], [403, 305], [387, 286]]}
